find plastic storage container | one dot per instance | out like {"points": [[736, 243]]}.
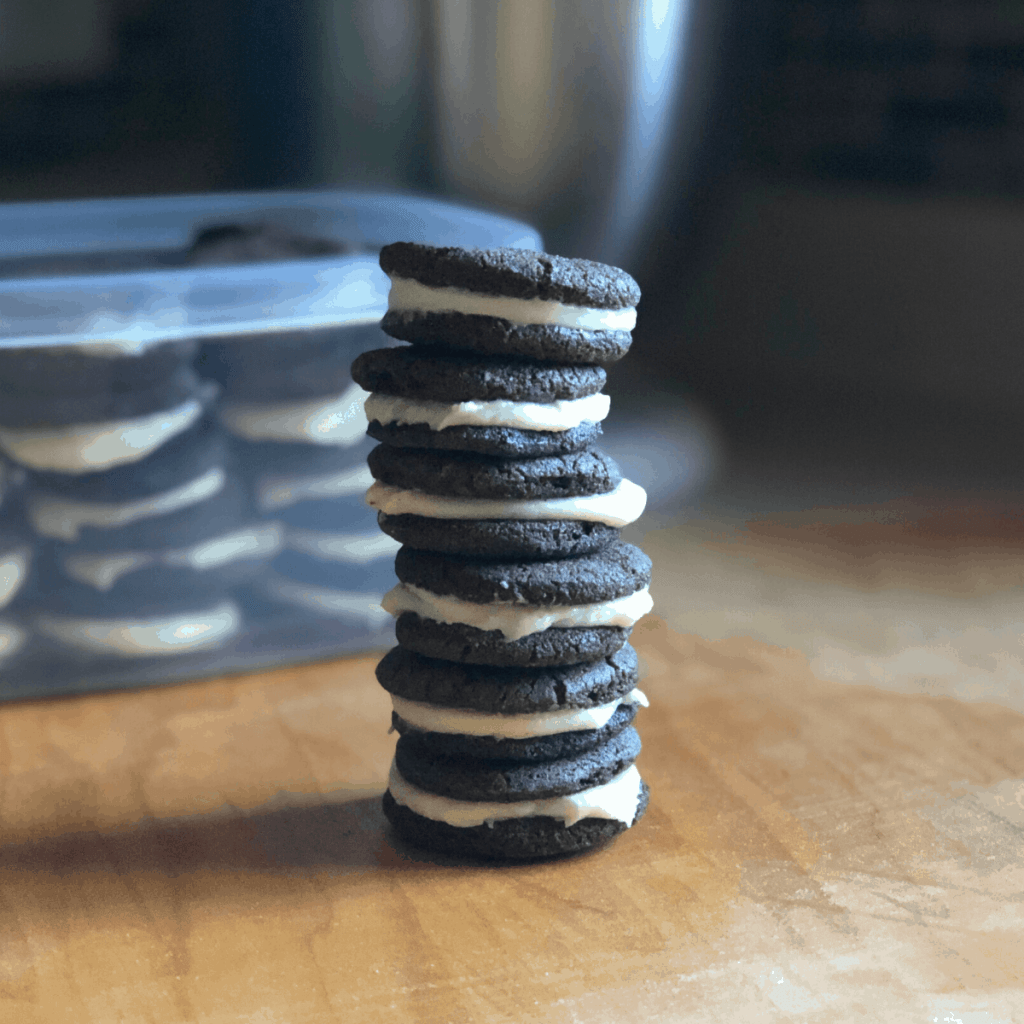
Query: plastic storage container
{"points": [[203, 514]]}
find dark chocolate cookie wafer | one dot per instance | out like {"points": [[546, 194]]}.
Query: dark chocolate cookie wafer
{"points": [[278, 366], [185, 457], [210, 502], [508, 781], [509, 839], [458, 642], [60, 386], [508, 691], [503, 442], [616, 571], [438, 375], [534, 748], [464, 475], [499, 538]]}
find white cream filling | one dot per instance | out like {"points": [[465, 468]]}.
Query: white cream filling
{"points": [[616, 800], [94, 447], [409, 296], [172, 634], [283, 492], [554, 416], [63, 519], [252, 542], [616, 508], [102, 571], [465, 722], [13, 570], [340, 604], [339, 420], [354, 548], [516, 620], [11, 638]]}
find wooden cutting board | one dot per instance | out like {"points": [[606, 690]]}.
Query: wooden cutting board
{"points": [[215, 852]]}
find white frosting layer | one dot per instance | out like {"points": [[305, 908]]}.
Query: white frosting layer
{"points": [[102, 571], [135, 638], [282, 492], [616, 508], [63, 518], [252, 542], [616, 800], [409, 296], [94, 447], [463, 722], [516, 620], [13, 570], [339, 604], [357, 548], [338, 420], [556, 416], [11, 639]]}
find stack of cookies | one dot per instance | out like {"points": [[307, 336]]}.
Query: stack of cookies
{"points": [[513, 685]]}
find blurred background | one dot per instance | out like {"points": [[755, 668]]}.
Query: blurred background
{"points": [[822, 200]]}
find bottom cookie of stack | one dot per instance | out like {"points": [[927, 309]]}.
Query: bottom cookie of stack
{"points": [[548, 830]]}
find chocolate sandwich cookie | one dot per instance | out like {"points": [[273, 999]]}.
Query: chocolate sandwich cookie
{"points": [[525, 838], [499, 538], [159, 503], [529, 748], [278, 366], [184, 457], [143, 594], [91, 384], [532, 613], [509, 302], [519, 714], [515, 809], [79, 449], [615, 571], [427, 398], [223, 548], [465, 475], [500, 781]]}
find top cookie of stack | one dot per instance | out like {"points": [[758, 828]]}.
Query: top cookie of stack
{"points": [[510, 302], [489, 418]]}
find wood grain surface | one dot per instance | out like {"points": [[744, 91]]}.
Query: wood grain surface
{"points": [[814, 852]]}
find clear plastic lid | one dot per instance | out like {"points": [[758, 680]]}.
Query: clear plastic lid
{"points": [[149, 299]]}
